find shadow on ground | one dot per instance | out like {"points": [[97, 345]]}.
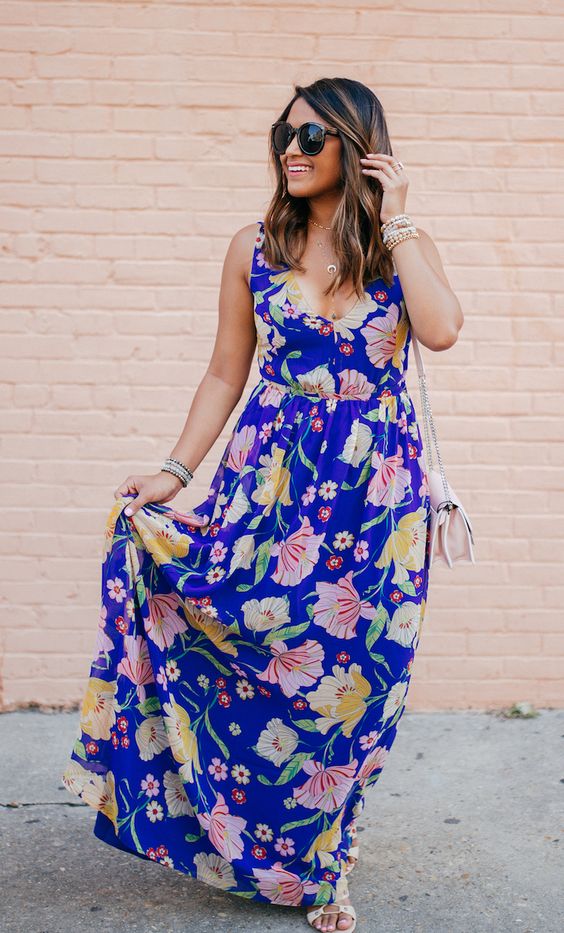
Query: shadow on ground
{"points": [[462, 834]]}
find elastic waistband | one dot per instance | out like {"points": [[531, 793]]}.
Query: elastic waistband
{"points": [[351, 394]]}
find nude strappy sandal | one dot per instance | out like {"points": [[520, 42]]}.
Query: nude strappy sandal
{"points": [[342, 891], [354, 851]]}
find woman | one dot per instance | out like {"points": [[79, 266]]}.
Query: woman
{"points": [[254, 655]]}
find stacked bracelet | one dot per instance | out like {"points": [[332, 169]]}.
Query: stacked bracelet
{"points": [[396, 229], [179, 469]]}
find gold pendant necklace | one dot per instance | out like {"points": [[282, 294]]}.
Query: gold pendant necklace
{"points": [[331, 269]]}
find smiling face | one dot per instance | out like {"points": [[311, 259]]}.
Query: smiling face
{"points": [[324, 170]]}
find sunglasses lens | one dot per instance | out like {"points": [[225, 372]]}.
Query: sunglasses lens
{"points": [[280, 137], [311, 138]]}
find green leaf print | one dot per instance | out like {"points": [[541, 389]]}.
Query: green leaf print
{"points": [[363, 476], [150, 705], [263, 559], [221, 667], [79, 749], [407, 587], [381, 619], [307, 724], [310, 819], [374, 521], [324, 894], [283, 634], [215, 736], [306, 462], [276, 312], [289, 771]]}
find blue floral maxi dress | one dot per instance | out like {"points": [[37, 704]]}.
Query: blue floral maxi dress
{"points": [[250, 673]]}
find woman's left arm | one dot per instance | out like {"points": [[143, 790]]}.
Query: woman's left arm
{"points": [[433, 308]]}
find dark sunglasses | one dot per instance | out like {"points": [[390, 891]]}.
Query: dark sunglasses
{"points": [[310, 136]]}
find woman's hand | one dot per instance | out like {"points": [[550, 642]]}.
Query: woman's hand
{"points": [[160, 487], [394, 182]]}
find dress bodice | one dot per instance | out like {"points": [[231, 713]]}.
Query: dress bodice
{"points": [[363, 353]]}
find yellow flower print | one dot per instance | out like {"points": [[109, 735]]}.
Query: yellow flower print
{"points": [[276, 482], [98, 713], [325, 843], [216, 631], [183, 741], [406, 545], [339, 698]]}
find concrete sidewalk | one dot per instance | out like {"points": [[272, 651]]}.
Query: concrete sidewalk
{"points": [[462, 834]]}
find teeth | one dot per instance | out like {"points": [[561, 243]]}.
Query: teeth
{"points": [[306, 169]]}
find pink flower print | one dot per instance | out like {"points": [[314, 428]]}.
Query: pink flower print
{"points": [[381, 337], [355, 385], [297, 555], [295, 667], [284, 887], [388, 485], [164, 622], [368, 741], [327, 788], [151, 786], [116, 589], [218, 769], [136, 665], [241, 444], [339, 607], [223, 829], [162, 678], [373, 762], [103, 641], [285, 846]]}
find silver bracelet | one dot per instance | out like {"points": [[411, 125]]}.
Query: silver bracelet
{"points": [[184, 473]]}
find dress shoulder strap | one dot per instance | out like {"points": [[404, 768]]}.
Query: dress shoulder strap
{"points": [[257, 265]]}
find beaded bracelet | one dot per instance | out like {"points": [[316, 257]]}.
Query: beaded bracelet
{"points": [[409, 234], [179, 469]]}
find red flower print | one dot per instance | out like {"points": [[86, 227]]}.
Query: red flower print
{"points": [[417, 581], [346, 349], [396, 596], [224, 698], [269, 369], [238, 795], [121, 625], [267, 317], [317, 424], [258, 851], [122, 723], [220, 682], [326, 329], [412, 451], [299, 704], [151, 854], [214, 529], [265, 691], [125, 741], [334, 562], [314, 410], [324, 513], [115, 740], [91, 748], [343, 657], [329, 876], [380, 296], [162, 851]]}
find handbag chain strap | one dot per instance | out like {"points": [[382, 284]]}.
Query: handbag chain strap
{"points": [[428, 423]]}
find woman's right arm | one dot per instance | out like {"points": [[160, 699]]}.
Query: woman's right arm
{"points": [[222, 385]]}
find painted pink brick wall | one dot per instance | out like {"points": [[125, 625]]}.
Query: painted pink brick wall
{"points": [[133, 146]]}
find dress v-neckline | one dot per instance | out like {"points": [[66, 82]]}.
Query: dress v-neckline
{"points": [[310, 311]]}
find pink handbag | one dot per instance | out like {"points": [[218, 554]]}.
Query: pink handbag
{"points": [[451, 531]]}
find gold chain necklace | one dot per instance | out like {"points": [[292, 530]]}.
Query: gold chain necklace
{"points": [[331, 267]]}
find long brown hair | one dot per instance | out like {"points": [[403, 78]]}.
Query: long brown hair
{"points": [[354, 110]]}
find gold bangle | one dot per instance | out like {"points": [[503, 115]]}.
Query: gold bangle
{"points": [[399, 237]]}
